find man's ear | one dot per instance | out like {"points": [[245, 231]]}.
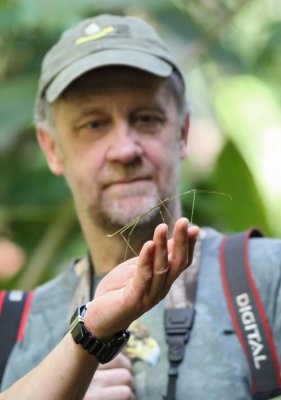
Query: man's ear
{"points": [[184, 138], [52, 152]]}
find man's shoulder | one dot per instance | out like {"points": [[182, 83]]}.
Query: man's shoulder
{"points": [[58, 288], [265, 249], [263, 256], [259, 247], [46, 324], [263, 253]]}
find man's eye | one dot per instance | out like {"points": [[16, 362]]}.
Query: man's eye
{"points": [[149, 118], [96, 124], [149, 121], [93, 127]]}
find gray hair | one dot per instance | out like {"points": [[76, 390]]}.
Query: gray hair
{"points": [[43, 115], [177, 88]]}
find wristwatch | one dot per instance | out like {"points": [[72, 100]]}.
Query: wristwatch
{"points": [[103, 351]]}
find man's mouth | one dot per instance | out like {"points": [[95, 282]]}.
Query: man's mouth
{"points": [[124, 182]]}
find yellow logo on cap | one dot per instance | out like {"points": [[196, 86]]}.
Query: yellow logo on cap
{"points": [[97, 35]]}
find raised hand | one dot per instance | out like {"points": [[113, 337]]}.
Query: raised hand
{"points": [[136, 285]]}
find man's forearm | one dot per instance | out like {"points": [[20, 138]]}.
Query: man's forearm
{"points": [[64, 374]]}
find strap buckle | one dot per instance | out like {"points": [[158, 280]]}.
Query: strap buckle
{"points": [[178, 323]]}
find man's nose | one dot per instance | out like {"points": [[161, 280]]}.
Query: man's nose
{"points": [[125, 145]]}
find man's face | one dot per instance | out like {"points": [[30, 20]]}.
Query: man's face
{"points": [[119, 144]]}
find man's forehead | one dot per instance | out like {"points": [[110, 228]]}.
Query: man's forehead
{"points": [[109, 78]]}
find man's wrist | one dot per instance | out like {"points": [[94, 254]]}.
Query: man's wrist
{"points": [[90, 323], [103, 350], [100, 331]]}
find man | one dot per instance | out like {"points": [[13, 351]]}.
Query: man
{"points": [[111, 117]]}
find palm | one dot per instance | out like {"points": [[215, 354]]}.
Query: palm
{"points": [[136, 285]]}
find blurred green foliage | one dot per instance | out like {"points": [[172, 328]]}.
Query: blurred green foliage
{"points": [[230, 52]]}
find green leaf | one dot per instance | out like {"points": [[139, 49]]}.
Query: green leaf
{"points": [[232, 176], [250, 116]]}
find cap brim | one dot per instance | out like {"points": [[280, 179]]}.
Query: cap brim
{"points": [[130, 58]]}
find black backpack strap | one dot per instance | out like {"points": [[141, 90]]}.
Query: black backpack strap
{"points": [[178, 324], [14, 306], [248, 315]]}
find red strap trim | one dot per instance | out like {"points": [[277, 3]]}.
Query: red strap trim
{"points": [[260, 308], [24, 316], [228, 297], [230, 304], [2, 297]]}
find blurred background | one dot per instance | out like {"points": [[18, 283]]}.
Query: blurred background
{"points": [[230, 53]]}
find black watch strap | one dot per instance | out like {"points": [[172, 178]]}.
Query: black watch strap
{"points": [[103, 351]]}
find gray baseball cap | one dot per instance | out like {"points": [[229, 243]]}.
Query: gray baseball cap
{"points": [[103, 41]]}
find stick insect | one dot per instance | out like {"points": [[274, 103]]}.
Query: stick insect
{"points": [[162, 204]]}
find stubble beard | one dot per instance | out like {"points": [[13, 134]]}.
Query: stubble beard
{"points": [[116, 213]]}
